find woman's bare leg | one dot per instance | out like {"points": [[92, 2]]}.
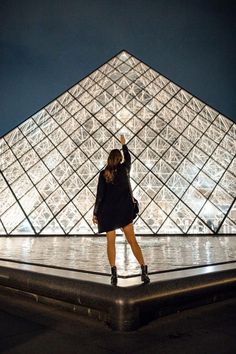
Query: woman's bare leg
{"points": [[111, 247], [130, 236]]}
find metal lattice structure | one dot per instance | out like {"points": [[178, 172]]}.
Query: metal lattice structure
{"points": [[183, 152]]}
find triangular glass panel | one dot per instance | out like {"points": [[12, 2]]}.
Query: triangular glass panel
{"points": [[232, 212], [53, 228], [153, 216], [228, 227], [24, 228], [2, 230], [198, 227], [81, 228], [141, 227], [169, 227], [12, 217]]}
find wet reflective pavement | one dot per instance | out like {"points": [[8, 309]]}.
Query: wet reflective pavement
{"points": [[89, 253]]}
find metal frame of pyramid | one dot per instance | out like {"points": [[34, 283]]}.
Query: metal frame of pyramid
{"points": [[183, 152]]}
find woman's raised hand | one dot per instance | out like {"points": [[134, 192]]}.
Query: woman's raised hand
{"points": [[122, 139]]}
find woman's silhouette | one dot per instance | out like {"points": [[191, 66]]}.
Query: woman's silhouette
{"points": [[114, 207]]}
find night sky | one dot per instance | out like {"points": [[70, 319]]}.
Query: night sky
{"points": [[47, 46]]}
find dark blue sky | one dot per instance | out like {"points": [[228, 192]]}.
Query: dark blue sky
{"points": [[48, 45]]}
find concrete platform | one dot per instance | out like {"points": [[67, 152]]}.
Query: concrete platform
{"points": [[127, 306], [130, 304], [31, 328]]}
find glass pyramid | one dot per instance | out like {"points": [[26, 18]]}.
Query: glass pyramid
{"points": [[183, 152]]}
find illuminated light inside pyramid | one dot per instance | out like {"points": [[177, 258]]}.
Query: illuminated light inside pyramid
{"points": [[183, 157]]}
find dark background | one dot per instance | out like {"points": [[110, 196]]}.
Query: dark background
{"points": [[47, 46]]}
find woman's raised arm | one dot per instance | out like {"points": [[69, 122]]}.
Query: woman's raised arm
{"points": [[126, 153]]}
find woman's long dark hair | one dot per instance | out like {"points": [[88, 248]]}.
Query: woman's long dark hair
{"points": [[114, 159]]}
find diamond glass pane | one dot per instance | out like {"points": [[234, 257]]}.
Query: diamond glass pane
{"points": [[72, 185], [57, 200], [13, 172], [12, 217], [177, 184], [151, 184], [211, 215], [21, 186], [7, 199], [153, 216], [68, 217], [204, 184], [166, 200], [228, 182], [31, 200], [40, 217], [47, 186], [194, 199], [221, 199], [21, 147], [182, 216]]}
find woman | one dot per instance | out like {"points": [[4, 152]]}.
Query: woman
{"points": [[114, 207]]}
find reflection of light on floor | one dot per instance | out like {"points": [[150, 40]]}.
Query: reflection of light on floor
{"points": [[89, 253], [208, 252]]}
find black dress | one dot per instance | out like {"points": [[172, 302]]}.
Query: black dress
{"points": [[114, 203]]}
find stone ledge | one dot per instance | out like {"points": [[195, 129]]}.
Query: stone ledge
{"points": [[127, 307]]}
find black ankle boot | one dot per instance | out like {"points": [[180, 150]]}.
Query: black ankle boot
{"points": [[144, 275], [113, 275]]}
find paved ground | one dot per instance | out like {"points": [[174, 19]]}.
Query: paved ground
{"points": [[89, 253], [36, 329]]}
